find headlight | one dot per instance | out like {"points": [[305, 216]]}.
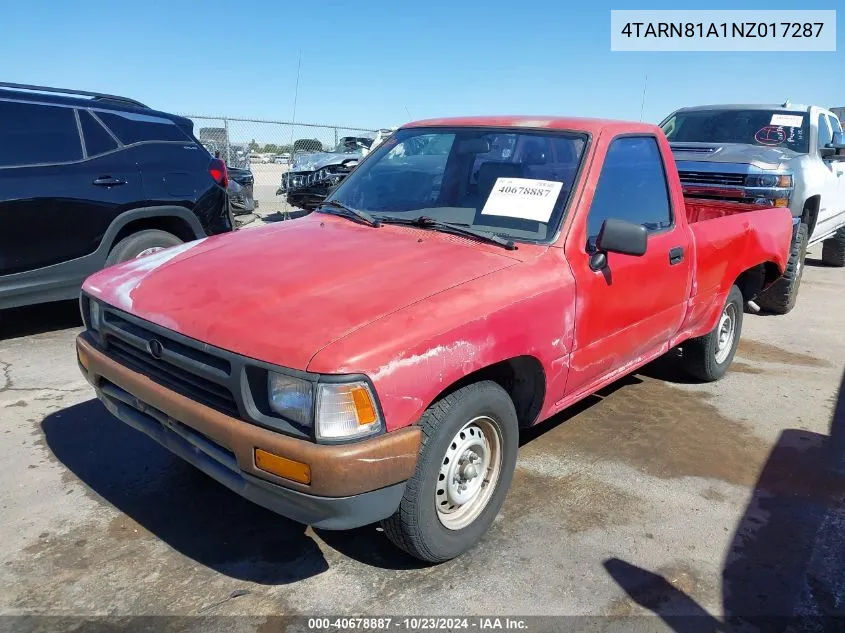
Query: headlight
{"points": [[768, 180], [94, 315], [290, 397], [346, 410]]}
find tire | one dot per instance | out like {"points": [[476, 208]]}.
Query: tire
{"points": [[133, 245], [708, 357], [833, 249], [781, 296], [448, 430]]}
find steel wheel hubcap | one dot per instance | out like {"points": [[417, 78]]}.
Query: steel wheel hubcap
{"points": [[149, 251], [468, 473], [726, 331]]}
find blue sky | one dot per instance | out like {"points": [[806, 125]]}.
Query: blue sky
{"points": [[370, 63]]}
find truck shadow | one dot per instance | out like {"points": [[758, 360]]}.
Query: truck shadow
{"points": [[37, 319], [784, 567], [190, 512]]}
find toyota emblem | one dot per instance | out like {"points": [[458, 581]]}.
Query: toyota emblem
{"points": [[156, 348]]}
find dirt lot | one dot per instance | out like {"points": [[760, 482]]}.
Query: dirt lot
{"points": [[657, 496]]}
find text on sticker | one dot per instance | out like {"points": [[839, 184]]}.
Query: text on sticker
{"points": [[523, 198], [788, 120]]}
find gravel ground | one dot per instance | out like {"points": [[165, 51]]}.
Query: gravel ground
{"points": [[657, 496]]}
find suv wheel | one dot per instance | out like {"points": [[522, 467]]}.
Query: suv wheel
{"points": [[140, 244], [833, 249], [465, 467], [780, 297]]}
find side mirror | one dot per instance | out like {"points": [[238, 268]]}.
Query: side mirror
{"points": [[836, 148], [619, 236]]}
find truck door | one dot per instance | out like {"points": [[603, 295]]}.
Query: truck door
{"points": [[839, 170], [832, 207], [631, 308]]}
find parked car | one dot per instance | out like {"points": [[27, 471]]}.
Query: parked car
{"points": [[783, 155], [312, 176], [472, 277], [241, 198], [88, 180], [281, 159]]}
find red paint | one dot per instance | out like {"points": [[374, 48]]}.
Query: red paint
{"points": [[416, 310]]}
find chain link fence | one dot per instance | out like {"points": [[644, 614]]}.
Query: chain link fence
{"points": [[266, 148]]}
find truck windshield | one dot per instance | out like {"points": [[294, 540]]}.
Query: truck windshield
{"points": [[511, 183], [774, 128]]}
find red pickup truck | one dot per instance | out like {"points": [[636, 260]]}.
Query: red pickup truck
{"points": [[376, 359]]}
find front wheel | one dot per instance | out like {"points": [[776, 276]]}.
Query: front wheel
{"points": [[833, 249], [781, 296], [708, 357], [465, 467]]}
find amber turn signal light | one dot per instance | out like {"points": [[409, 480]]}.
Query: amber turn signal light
{"points": [[82, 355], [282, 466]]}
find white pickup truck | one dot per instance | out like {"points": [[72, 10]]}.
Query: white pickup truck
{"points": [[784, 155]]}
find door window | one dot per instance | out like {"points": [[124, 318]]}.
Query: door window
{"points": [[130, 127], [97, 139], [33, 134], [834, 123], [825, 136], [632, 186]]}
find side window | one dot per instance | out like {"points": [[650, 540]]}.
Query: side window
{"points": [[825, 135], [834, 123], [131, 127], [32, 134], [632, 186], [97, 139]]}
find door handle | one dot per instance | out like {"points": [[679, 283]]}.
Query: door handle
{"points": [[676, 255], [108, 181]]}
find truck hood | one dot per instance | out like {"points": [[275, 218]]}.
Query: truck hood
{"points": [[766, 158], [283, 292]]}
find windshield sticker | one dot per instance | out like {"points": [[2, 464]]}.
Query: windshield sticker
{"points": [[770, 135], [789, 120], [522, 198]]}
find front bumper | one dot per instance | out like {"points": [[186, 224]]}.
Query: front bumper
{"points": [[352, 484]]}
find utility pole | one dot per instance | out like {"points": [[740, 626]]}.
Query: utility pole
{"points": [[642, 103]]}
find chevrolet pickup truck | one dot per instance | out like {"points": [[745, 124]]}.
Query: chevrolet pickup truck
{"points": [[376, 359], [785, 155]]}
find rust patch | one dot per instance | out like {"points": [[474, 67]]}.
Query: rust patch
{"points": [[767, 353], [659, 429], [579, 500], [744, 368]]}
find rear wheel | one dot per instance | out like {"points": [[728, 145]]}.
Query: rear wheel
{"points": [[140, 244], [781, 296], [708, 357], [465, 467], [833, 249]]}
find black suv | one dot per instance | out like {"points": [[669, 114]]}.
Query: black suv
{"points": [[88, 180]]}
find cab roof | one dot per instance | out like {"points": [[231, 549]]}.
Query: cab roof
{"points": [[573, 124]]}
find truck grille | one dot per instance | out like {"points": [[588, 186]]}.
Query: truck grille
{"points": [[185, 369], [709, 178]]}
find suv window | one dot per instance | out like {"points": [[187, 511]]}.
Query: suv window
{"points": [[32, 134], [97, 139], [825, 136], [632, 186], [834, 123], [130, 127]]}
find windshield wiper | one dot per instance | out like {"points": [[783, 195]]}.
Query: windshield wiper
{"points": [[348, 212], [425, 222]]}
